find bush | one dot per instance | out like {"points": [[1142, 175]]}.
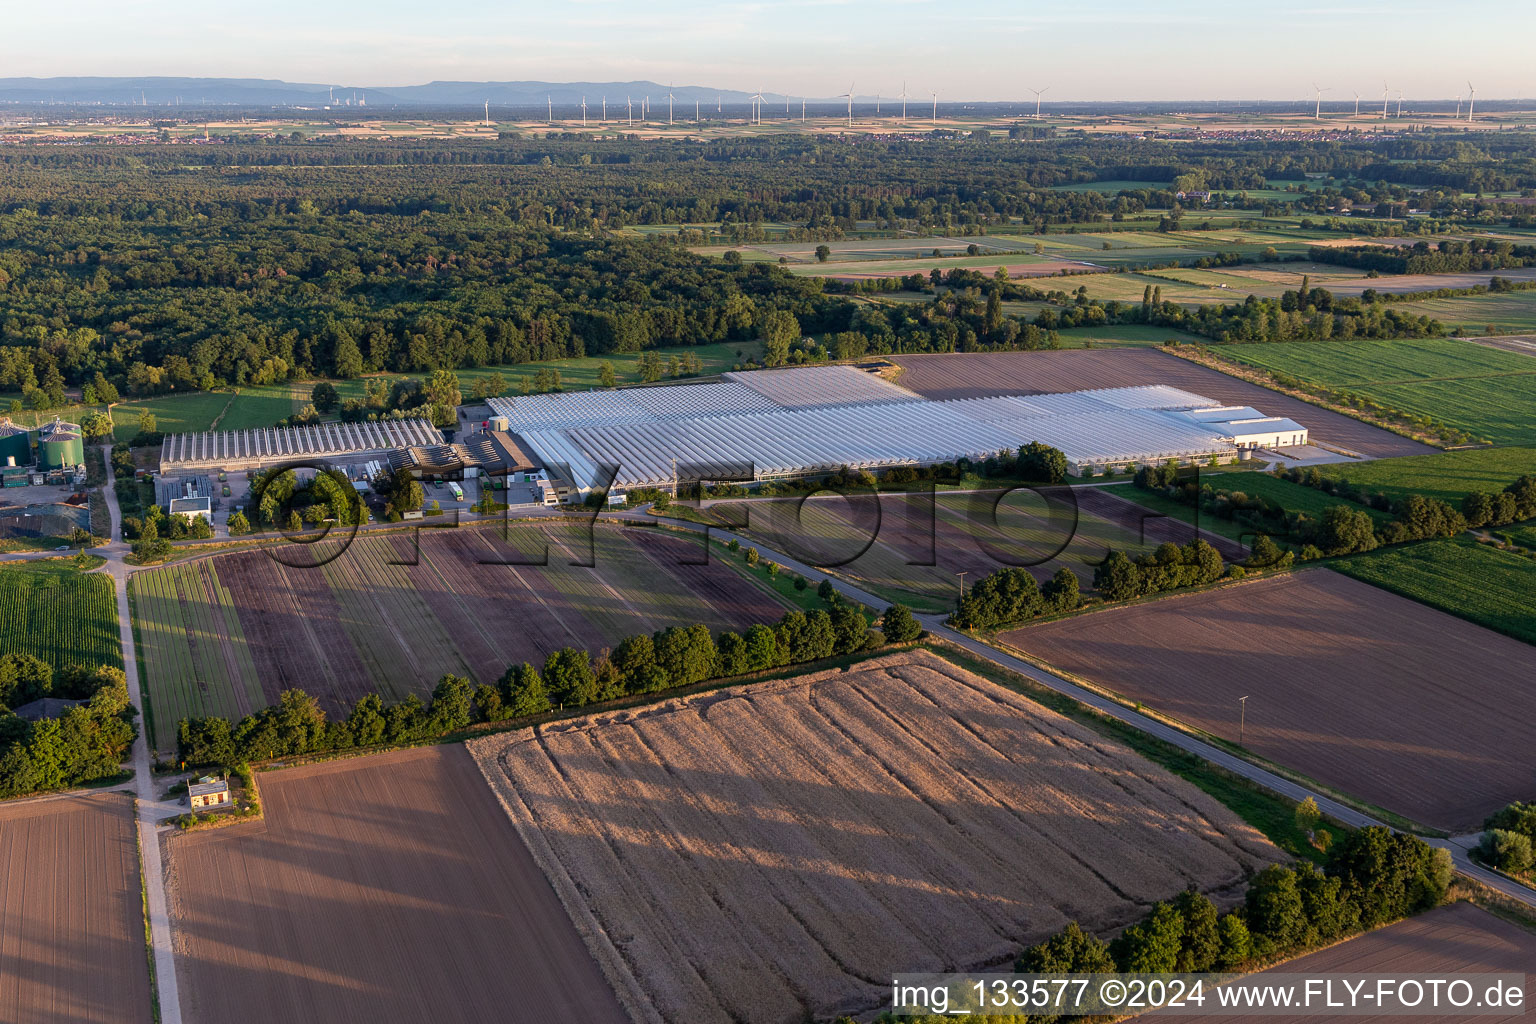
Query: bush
{"points": [[1505, 850]]}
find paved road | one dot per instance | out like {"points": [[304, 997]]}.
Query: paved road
{"points": [[1458, 846], [149, 807]]}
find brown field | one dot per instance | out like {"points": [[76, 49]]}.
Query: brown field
{"points": [[1044, 268], [1404, 284], [71, 914], [378, 889], [1011, 373], [1370, 693], [771, 853], [920, 547], [1460, 938]]}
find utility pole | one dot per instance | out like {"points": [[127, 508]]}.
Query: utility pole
{"points": [[1242, 720], [962, 583]]}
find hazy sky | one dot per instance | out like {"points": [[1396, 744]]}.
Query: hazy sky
{"points": [[981, 49]]}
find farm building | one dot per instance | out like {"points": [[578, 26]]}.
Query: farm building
{"points": [[208, 792], [192, 508], [46, 707], [775, 424], [487, 453], [271, 446], [168, 489]]}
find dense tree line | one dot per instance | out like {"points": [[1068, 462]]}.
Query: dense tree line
{"points": [[1170, 567], [1372, 877], [1445, 257], [1013, 595], [570, 678], [87, 742], [1415, 517]]}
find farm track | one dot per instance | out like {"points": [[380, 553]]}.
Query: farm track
{"points": [[1000, 373], [722, 885]]}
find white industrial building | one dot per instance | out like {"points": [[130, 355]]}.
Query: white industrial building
{"points": [[269, 446], [803, 421]]}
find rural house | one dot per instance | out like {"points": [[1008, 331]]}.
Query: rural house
{"points": [[208, 792]]}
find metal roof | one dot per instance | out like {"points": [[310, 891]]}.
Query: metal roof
{"points": [[809, 387], [311, 439]]}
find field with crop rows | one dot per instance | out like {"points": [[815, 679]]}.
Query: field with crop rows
{"points": [[389, 889], [1370, 693], [769, 854], [1448, 476], [1477, 582], [52, 610], [1486, 391], [225, 635], [1507, 311]]}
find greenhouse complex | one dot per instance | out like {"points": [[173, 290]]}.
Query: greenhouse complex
{"points": [[774, 424]]}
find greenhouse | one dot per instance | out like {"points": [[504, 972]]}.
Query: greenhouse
{"points": [[253, 449]]}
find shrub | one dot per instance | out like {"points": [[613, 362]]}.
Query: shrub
{"points": [[1505, 850]]}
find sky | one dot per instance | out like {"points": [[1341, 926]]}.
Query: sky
{"points": [[978, 50]]}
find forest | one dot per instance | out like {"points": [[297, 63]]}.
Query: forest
{"points": [[164, 268]]}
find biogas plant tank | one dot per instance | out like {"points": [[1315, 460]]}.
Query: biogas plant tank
{"points": [[15, 446], [60, 445]]}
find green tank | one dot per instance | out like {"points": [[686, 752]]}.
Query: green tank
{"points": [[60, 445], [14, 444]]}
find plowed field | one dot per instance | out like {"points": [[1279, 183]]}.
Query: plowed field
{"points": [[1370, 693], [968, 375], [71, 914], [773, 853], [379, 889]]}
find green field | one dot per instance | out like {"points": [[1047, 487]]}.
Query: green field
{"points": [[1290, 496], [1507, 311], [54, 611], [1488, 392], [1448, 476], [1493, 588]]}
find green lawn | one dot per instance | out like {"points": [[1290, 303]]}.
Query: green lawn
{"points": [[52, 610], [1477, 582], [1490, 393], [1448, 476], [174, 414]]}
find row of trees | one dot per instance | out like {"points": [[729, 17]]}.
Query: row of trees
{"points": [[1446, 257], [1170, 567], [1372, 877], [570, 678], [87, 742], [1012, 595]]}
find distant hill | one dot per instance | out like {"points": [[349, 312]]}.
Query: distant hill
{"points": [[262, 92]]}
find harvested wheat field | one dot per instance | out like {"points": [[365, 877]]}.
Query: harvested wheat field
{"points": [[1460, 938], [969, 375], [71, 914], [378, 889], [1372, 694], [769, 853]]}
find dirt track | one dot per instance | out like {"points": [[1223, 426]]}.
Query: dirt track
{"points": [[379, 889], [71, 916], [1373, 694], [1459, 938], [970, 375], [765, 854]]}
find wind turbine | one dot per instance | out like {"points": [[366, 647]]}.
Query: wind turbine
{"points": [[605, 108], [802, 110], [629, 101], [1317, 111], [849, 94], [1357, 103], [695, 110], [935, 93], [1471, 99], [903, 101], [1383, 102], [550, 103], [487, 113], [877, 104], [757, 102], [786, 106], [669, 105], [1399, 103], [1458, 106], [1038, 93], [583, 111]]}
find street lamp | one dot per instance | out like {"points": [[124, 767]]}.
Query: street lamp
{"points": [[962, 582], [1242, 719]]}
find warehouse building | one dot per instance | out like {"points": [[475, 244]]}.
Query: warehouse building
{"points": [[774, 424], [271, 446]]}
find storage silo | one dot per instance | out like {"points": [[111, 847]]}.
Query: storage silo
{"points": [[15, 446], [60, 445]]}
